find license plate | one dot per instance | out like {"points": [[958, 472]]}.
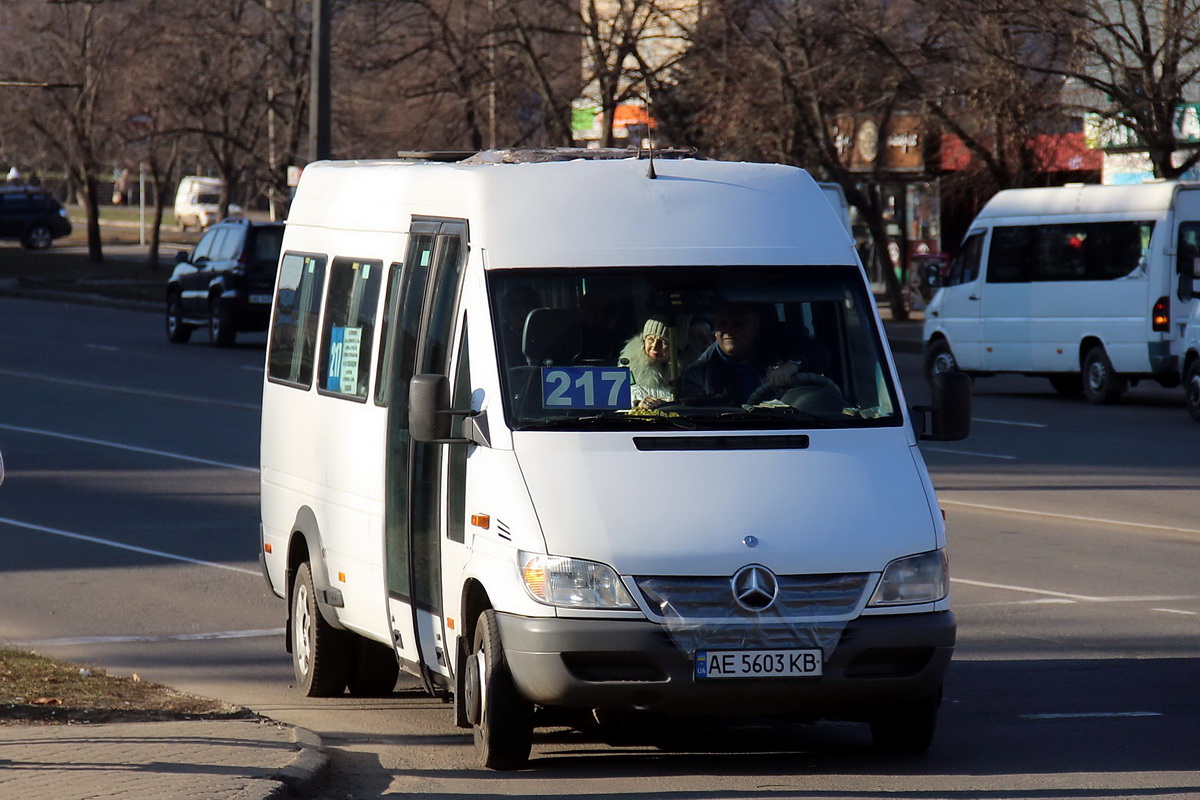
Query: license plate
{"points": [[758, 664], [260, 299]]}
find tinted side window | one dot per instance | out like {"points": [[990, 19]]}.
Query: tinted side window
{"points": [[228, 246], [1084, 251], [15, 202], [1010, 254], [292, 348], [349, 326]]}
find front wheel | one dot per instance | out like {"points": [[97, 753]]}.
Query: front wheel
{"points": [[320, 652], [1191, 385], [907, 728], [938, 359], [178, 331], [39, 238], [502, 720], [1101, 384]]}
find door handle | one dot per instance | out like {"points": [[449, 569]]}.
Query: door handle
{"points": [[972, 297]]}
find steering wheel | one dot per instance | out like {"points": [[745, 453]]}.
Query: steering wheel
{"points": [[814, 384]]}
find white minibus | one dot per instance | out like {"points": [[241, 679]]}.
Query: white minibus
{"points": [[581, 438], [1082, 284]]}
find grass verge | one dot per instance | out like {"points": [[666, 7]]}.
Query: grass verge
{"points": [[41, 690]]}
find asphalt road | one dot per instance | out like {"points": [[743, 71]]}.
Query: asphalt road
{"points": [[128, 539]]}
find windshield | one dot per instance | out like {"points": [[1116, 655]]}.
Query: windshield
{"points": [[690, 347]]}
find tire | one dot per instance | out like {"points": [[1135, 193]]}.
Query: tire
{"points": [[39, 237], [501, 719], [374, 671], [178, 331], [1191, 388], [1068, 384], [221, 330], [1101, 384], [907, 728], [938, 359], [320, 652]]}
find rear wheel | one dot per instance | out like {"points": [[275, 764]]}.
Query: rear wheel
{"points": [[320, 652], [1101, 384], [178, 331], [221, 330], [502, 720], [907, 728], [1191, 385], [39, 238]]}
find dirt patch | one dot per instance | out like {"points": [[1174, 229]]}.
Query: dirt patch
{"points": [[39, 690]]}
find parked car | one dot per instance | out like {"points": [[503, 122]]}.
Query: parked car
{"points": [[31, 216], [197, 202], [225, 282]]}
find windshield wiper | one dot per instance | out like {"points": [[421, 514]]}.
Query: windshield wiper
{"points": [[609, 421], [757, 413]]}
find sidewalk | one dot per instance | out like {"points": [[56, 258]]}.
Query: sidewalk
{"points": [[241, 759]]}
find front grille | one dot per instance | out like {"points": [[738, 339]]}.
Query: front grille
{"points": [[801, 597]]}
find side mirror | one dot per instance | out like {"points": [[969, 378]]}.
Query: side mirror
{"points": [[430, 418], [950, 410], [428, 407], [181, 256]]}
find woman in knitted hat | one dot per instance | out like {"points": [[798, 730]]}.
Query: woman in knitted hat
{"points": [[648, 356]]}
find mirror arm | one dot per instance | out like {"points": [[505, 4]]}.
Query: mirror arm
{"points": [[475, 427]]}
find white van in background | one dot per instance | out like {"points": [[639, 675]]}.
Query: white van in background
{"points": [[1089, 286], [197, 202], [456, 479], [836, 196]]}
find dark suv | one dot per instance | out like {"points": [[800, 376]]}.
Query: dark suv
{"points": [[31, 216], [226, 282]]}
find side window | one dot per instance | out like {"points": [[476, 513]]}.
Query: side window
{"points": [[349, 326], [204, 248], [1010, 255], [391, 305], [228, 245], [456, 499], [1187, 258], [292, 348], [965, 267]]}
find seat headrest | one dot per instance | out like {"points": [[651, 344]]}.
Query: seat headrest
{"points": [[552, 336]]}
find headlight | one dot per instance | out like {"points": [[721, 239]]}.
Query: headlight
{"points": [[573, 583], [915, 579]]}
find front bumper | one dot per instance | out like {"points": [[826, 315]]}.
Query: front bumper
{"points": [[634, 666]]}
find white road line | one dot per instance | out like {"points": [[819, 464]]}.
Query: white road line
{"points": [[185, 398], [178, 637], [1072, 517], [968, 453], [1177, 611], [1093, 715], [1009, 422], [1082, 598], [107, 347], [130, 448], [122, 546]]}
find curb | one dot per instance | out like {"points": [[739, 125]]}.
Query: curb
{"points": [[302, 776]]}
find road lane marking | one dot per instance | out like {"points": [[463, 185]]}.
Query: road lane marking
{"points": [[1009, 422], [968, 453], [106, 347], [1093, 715], [1082, 598], [122, 546], [129, 447], [177, 637], [1071, 517], [185, 398], [1177, 611]]}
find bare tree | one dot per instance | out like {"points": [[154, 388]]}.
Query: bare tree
{"points": [[79, 51], [1138, 58]]}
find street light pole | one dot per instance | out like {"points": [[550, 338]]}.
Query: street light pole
{"points": [[319, 95]]}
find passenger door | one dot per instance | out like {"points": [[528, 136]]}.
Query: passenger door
{"points": [[193, 280], [426, 302], [960, 305]]}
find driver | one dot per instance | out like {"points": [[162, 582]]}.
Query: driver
{"points": [[737, 362]]}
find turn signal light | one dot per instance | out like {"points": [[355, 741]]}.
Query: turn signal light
{"points": [[1161, 316]]}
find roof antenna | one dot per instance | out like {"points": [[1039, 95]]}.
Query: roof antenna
{"points": [[650, 173]]}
